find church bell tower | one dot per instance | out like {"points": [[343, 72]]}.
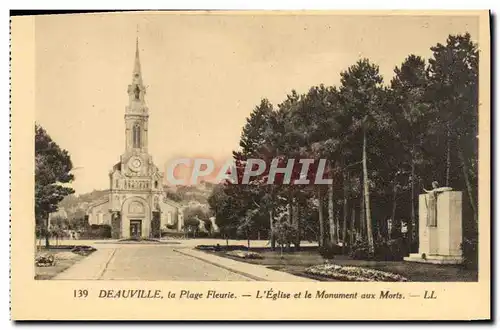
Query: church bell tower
{"points": [[136, 113], [137, 201], [136, 159]]}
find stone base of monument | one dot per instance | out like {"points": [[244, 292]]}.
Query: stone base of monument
{"points": [[435, 259], [439, 242]]}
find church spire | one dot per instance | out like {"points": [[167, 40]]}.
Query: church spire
{"points": [[136, 90], [137, 75], [136, 113]]}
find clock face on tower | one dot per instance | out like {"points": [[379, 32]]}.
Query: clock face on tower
{"points": [[134, 164]]}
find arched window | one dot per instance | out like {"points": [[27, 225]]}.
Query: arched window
{"points": [[136, 208], [136, 134], [156, 184]]}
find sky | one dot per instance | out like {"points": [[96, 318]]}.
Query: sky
{"points": [[204, 74]]}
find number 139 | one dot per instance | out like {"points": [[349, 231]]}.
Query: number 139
{"points": [[80, 293]]}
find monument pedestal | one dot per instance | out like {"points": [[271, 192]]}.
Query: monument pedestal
{"points": [[439, 242], [434, 259]]}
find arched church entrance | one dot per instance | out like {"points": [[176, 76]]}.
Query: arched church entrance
{"points": [[136, 216]]}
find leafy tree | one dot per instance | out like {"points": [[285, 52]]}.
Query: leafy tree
{"points": [[453, 87], [52, 170], [225, 207], [411, 118], [253, 137], [256, 142], [360, 95], [315, 130]]}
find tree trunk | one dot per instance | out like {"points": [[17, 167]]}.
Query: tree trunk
{"points": [[468, 184], [448, 155], [272, 237], [47, 235], [396, 225], [337, 225], [294, 218], [345, 211], [331, 219], [379, 233], [289, 219], [353, 226], [36, 239], [362, 222], [299, 236], [412, 200], [369, 229], [321, 241], [271, 230], [296, 223]]}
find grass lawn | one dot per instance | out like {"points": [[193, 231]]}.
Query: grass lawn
{"points": [[64, 259], [296, 263]]}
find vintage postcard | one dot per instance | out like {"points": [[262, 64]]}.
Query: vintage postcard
{"points": [[213, 165]]}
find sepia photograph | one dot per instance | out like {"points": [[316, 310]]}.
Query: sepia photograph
{"points": [[320, 148]]}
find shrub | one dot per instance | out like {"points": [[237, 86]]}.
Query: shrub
{"points": [[45, 260], [205, 247], [392, 250], [172, 235], [202, 234], [469, 249], [219, 247], [245, 254], [97, 231], [83, 250], [105, 231], [330, 250], [398, 249], [360, 250], [284, 233]]}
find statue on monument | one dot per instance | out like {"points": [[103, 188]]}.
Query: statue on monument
{"points": [[431, 203]]}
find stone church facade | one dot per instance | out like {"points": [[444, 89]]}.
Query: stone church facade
{"points": [[136, 205]]}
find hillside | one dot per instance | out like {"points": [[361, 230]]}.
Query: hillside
{"points": [[185, 195], [76, 205]]}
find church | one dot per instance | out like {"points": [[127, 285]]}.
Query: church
{"points": [[137, 205]]}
